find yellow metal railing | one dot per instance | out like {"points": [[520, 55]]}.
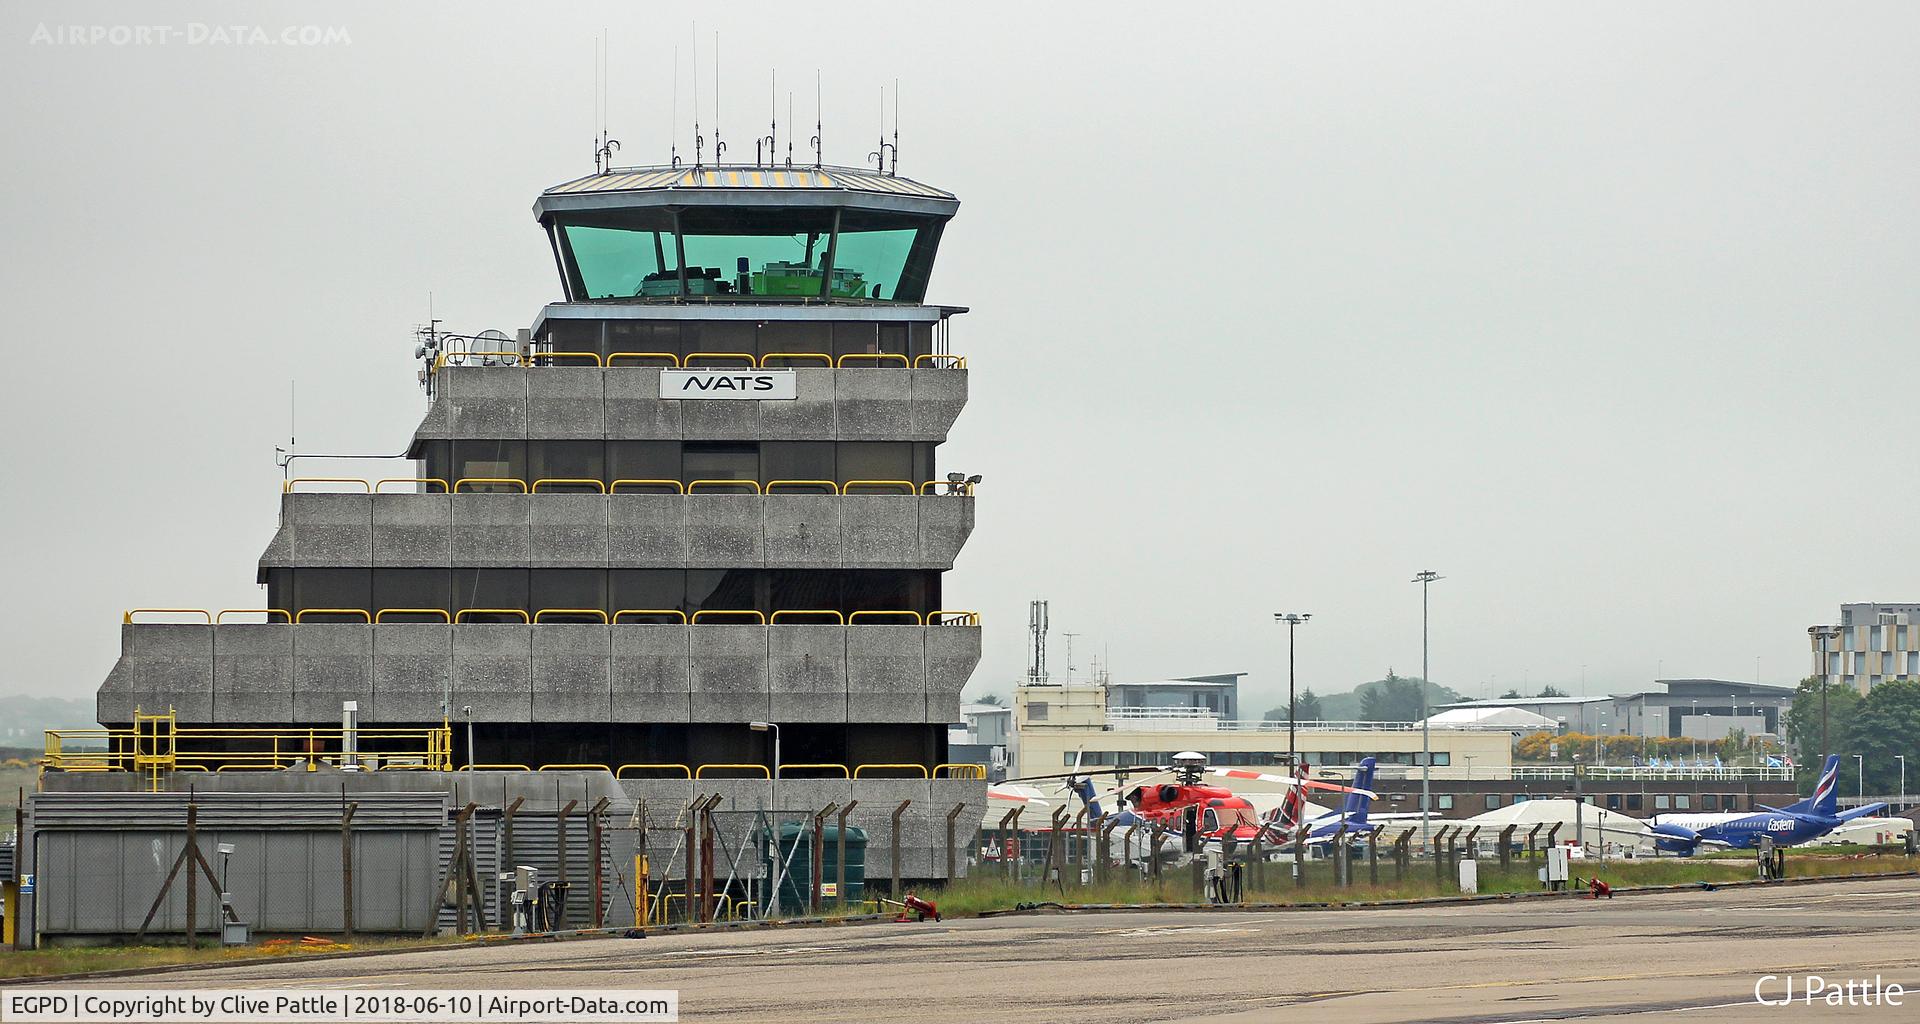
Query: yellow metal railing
{"points": [[919, 770], [664, 612], [960, 770], [905, 486], [947, 618], [685, 772], [289, 486], [472, 485], [861, 616], [671, 358], [377, 484], [752, 485], [489, 480], [569, 482], [156, 744], [837, 617], [759, 616], [461, 615], [221, 615], [825, 359], [581, 613], [841, 768], [595, 356], [701, 772], [516, 360], [131, 612], [381, 615], [301, 616]]}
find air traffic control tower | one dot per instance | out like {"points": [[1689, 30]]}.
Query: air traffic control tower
{"points": [[690, 527]]}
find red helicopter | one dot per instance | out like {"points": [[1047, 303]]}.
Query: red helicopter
{"points": [[1199, 812]]}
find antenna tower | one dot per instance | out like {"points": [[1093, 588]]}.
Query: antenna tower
{"points": [[1037, 633]]}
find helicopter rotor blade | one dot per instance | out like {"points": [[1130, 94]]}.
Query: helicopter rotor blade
{"points": [[1290, 781]]}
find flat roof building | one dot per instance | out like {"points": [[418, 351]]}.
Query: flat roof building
{"points": [[1874, 643]]}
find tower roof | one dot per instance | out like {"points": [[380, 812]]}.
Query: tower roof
{"points": [[646, 179]]}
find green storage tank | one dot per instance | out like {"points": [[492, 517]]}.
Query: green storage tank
{"points": [[796, 858]]}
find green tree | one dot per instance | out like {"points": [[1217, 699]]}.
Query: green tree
{"points": [[1510, 695], [1886, 722], [1308, 703], [990, 698], [1803, 726], [1553, 691], [1393, 699]]}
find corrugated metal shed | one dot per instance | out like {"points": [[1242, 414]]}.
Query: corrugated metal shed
{"points": [[642, 179], [272, 811]]}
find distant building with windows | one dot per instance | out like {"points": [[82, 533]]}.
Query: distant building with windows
{"points": [[1216, 694], [1703, 709], [1876, 643]]}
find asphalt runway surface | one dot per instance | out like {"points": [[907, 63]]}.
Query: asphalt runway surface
{"points": [[1694, 956]]}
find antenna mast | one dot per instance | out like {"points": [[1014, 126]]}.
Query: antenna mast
{"points": [[673, 115], [1037, 632], [773, 129], [603, 147], [895, 172], [699, 143], [817, 130], [789, 127], [719, 147]]}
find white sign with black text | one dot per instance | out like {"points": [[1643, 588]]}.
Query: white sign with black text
{"points": [[748, 383]]}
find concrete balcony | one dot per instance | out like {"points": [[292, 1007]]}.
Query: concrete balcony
{"points": [[548, 672], [709, 530], [504, 403]]}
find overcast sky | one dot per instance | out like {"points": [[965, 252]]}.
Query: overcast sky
{"points": [[1607, 314]]}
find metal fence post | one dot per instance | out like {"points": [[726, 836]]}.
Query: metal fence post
{"points": [[1339, 850], [1534, 831], [840, 854], [1007, 828], [895, 865], [1373, 854], [693, 867], [819, 854], [597, 840], [193, 888], [560, 840], [1439, 853], [1076, 840], [1257, 861], [346, 865], [1300, 858], [1506, 846], [1056, 841], [952, 871]]}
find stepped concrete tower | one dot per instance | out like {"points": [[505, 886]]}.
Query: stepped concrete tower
{"points": [[689, 528]]}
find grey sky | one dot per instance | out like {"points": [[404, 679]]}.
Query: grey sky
{"points": [[1605, 313]]}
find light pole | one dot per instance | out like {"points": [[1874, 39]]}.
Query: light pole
{"points": [[1425, 578], [773, 796], [1860, 762], [1820, 635], [1902, 758], [1293, 621]]}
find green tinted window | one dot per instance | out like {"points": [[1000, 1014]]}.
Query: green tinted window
{"points": [[618, 262], [755, 252]]}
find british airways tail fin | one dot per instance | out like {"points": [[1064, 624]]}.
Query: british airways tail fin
{"points": [[1354, 808]]}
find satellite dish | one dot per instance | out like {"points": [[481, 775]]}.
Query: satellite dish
{"points": [[498, 339]]}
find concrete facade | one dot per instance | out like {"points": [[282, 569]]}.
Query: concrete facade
{"points": [[622, 402], [708, 529], [399, 672]]}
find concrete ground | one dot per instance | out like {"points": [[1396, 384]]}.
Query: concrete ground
{"points": [[1694, 955]]}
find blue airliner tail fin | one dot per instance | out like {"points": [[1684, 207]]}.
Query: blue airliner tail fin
{"points": [[1354, 807]]}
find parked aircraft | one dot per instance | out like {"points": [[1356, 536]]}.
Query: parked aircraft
{"points": [[1791, 825]]}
